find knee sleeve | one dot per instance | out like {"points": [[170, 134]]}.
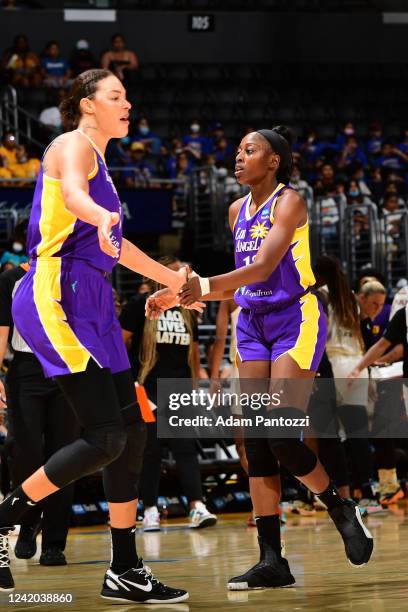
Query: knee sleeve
{"points": [[97, 447], [261, 460], [121, 477], [294, 455]]}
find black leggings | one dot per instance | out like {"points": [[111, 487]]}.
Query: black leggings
{"points": [[188, 468], [40, 423], [355, 423], [113, 433]]}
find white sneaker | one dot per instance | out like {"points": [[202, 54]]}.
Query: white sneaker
{"points": [[151, 519], [200, 517]]}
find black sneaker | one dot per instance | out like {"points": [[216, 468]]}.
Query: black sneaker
{"points": [[26, 545], [6, 578], [272, 571], [139, 585], [358, 541], [52, 556]]}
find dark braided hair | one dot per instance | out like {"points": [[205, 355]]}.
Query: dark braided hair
{"points": [[84, 86], [281, 140]]}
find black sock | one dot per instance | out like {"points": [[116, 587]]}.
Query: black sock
{"points": [[330, 497], [367, 491], [269, 531], [124, 555], [14, 506]]}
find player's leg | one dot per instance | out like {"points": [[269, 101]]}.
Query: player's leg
{"points": [[128, 579]]}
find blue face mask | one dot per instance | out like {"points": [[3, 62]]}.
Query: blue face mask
{"points": [[125, 140], [354, 194], [144, 130]]}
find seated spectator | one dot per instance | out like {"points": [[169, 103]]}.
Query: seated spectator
{"points": [[326, 185], [81, 58], [224, 152], [14, 254], [376, 184], [352, 153], [375, 139], [22, 66], [121, 61], [356, 172], [8, 149], [195, 142], [4, 172], [311, 147], [50, 117], [171, 156], [26, 167], [144, 135], [55, 68], [354, 194], [138, 172], [296, 180], [341, 139], [183, 166], [392, 158]]}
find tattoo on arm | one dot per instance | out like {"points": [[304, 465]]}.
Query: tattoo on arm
{"points": [[59, 140]]}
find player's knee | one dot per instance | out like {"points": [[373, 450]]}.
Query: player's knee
{"points": [[294, 455], [110, 441]]}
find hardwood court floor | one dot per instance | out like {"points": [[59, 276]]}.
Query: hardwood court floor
{"points": [[202, 561]]}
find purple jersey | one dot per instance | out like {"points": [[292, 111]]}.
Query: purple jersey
{"points": [[292, 277], [53, 231]]}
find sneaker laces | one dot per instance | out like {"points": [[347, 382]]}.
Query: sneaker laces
{"points": [[146, 572], [4, 550]]}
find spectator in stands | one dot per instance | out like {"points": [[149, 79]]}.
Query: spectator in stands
{"points": [[138, 173], [326, 183], [351, 153], [81, 58], [151, 141], [357, 174], [296, 180], [166, 348], [26, 166], [8, 149], [375, 140], [341, 139], [4, 172], [354, 193], [376, 184], [223, 152], [55, 68], [195, 142], [50, 117], [392, 158], [119, 60], [14, 253], [21, 65], [312, 146], [183, 166]]}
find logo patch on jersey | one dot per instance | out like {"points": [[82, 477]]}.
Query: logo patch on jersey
{"points": [[259, 230], [240, 234], [265, 213], [74, 286]]}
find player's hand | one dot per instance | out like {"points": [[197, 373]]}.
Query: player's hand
{"points": [[354, 373], [179, 279], [107, 221], [164, 299], [190, 292]]}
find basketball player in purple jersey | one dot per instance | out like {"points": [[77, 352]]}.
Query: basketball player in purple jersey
{"points": [[64, 310], [281, 334]]}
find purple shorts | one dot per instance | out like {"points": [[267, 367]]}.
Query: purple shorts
{"points": [[298, 330], [64, 310]]}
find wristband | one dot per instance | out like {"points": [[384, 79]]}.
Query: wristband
{"points": [[204, 285]]}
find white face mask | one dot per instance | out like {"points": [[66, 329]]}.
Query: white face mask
{"points": [[195, 127], [17, 247], [222, 172]]}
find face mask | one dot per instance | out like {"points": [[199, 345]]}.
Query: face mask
{"points": [[17, 247], [195, 128], [222, 172], [354, 194], [349, 132], [144, 130], [125, 140]]}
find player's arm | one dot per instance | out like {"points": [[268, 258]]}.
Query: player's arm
{"points": [[290, 213], [221, 329], [370, 357], [395, 354]]}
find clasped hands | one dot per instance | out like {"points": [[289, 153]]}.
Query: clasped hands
{"points": [[187, 294]]}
